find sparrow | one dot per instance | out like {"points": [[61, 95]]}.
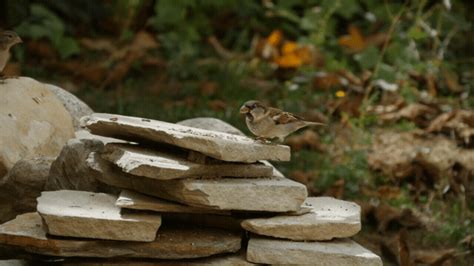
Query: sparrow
{"points": [[7, 40], [269, 123]]}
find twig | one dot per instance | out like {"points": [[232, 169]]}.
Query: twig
{"points": [[220, 50], [384, 48], [445, 43]]}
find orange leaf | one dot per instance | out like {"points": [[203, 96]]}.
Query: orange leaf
{"points": [[305, 54], [275, 38], [288, 48], [354, 41], [289, 61]]}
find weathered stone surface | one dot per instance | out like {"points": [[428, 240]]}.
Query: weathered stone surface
{"points": [[73, 105], [33, 122], [329, 218], [27, 232], [84, 134], [336, 252], [156, 164], [132, 200], [276, 194], [233, 259], [222, 126], [211, 123], [22, 185], [222, 146], [70, 170], [93, 215]]}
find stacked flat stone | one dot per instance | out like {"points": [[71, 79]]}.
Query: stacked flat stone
{"points": [[212, 184]]}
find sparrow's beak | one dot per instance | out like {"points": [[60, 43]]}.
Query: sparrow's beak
{"points": [[18, 40], [244, 109]]}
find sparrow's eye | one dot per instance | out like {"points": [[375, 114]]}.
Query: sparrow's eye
{"points": [[254, 105]]}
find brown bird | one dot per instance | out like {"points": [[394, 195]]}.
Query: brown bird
{"points": [[268, 123], [7, 40]]}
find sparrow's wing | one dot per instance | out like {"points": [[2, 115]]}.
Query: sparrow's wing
{"points": [[281, 117]]}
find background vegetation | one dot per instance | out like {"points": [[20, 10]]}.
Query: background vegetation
{"points": [[393, 80]]}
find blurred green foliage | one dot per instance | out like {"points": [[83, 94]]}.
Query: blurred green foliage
{"points": [[398, 42]]}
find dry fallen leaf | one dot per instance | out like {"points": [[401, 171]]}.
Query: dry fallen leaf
{"points": [[218, 105], [285, 54], [125, 57], [403, 249], [98, 45], [337, 189], [386, 216], [307, 140], [452, 81], [208, 88], [401, 155], [354, 41], [421, 114], [459, 123], [433, 257], [90, 72], [327, 81], [275, 38], [305, 178]]}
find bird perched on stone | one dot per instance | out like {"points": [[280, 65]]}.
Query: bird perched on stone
{"points": [[269, 123], [7, 40]]}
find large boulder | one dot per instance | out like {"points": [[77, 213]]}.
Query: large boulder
{"points": [[73, 105], [33, 122], [22, 185], [70, 171]]}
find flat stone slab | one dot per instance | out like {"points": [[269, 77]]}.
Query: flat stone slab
{"points": [[329, 218], [336, 252], [219, 145], [156, 164], [133, 200], [276, 194], [26, 231], [232, 259], [93, 215]]}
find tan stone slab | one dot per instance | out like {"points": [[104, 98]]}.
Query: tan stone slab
{"points": [[156, 164], [329, 218], [234, 259], [219, 145], [133, 200], [339, 252], [26, 231], [93, 215], [276, 194]]}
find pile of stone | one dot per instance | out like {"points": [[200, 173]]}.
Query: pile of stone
{"points": [[189, 193]]}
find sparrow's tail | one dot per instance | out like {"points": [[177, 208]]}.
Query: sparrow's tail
{"points": [[307, 123]]}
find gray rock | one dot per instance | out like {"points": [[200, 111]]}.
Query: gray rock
{"points": [[27, 232], [94, 215], [84, 134], [22, 185], [162, 165], [335, 252], [33, 122], [276, 194], [211, 123], [133, 200], [329, 218], [70, 171], [215, 144], [73, 105]]}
